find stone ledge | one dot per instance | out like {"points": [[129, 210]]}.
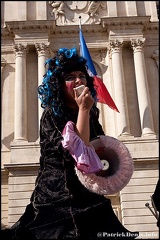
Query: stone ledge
{"points": [[13, 26], [25, 152], [14, 169], [146, 164], [121, 21], [143, 147]]}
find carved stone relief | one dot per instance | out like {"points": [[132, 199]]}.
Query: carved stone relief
{"points": [[68, 12], [155, 56]]}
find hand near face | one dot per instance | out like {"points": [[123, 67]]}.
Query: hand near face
{"points": [[74, 80], [85, 100]]}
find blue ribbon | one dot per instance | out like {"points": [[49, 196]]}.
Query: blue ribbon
{"points": [[69, 53]]}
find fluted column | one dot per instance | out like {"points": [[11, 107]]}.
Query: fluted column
{"points": [[3, 64], [42, 51], [122, 123], [20, 121], [142, 87]]}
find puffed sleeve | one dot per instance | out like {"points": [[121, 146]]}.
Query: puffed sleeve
{"points": [[85, 156]]}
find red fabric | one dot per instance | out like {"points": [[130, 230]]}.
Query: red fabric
{"points": [[103, 94]]}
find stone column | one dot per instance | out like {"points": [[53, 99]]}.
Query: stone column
{"points": [[142, 87], [42, 51], [122, 126], [20, 121], [3, 64]]}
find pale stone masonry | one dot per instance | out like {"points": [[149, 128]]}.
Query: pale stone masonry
{"points": [[115, 47], [20, 121], [43, 52], [123, 40], [142, 86]]}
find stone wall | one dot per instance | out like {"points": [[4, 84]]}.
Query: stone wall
{"points": [[123, 40]]}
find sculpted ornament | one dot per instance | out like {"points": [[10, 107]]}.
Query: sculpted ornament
{"points": [[137, 44], [68, 12], [76, 5], [58, 10], [93, 8], [155, 56]]}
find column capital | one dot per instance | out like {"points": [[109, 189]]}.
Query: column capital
{"points": [[42, 49], [20, 50], [138, 44], [115, 45]]}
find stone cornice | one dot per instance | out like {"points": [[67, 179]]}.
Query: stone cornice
{"points": [[30, 32], [14, 26], [6, 33], [36, 31], [38, 25], [152, 26], [87, 28], [144, 21]]}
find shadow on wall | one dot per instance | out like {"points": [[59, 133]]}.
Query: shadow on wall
{"points": [[7, 69], [7, 140], [146, 120]]}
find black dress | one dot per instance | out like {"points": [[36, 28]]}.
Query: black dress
{"points": [[61, 207]]}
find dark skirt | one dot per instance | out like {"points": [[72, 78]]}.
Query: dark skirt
{"points": [[98, 222]]}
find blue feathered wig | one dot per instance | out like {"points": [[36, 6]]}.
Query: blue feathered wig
{"points": [[50, 92]]}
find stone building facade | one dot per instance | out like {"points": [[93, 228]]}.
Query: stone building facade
{"points": [[123, 40]]}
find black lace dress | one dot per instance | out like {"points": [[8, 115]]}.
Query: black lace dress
{"points": [[61, 207]]}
